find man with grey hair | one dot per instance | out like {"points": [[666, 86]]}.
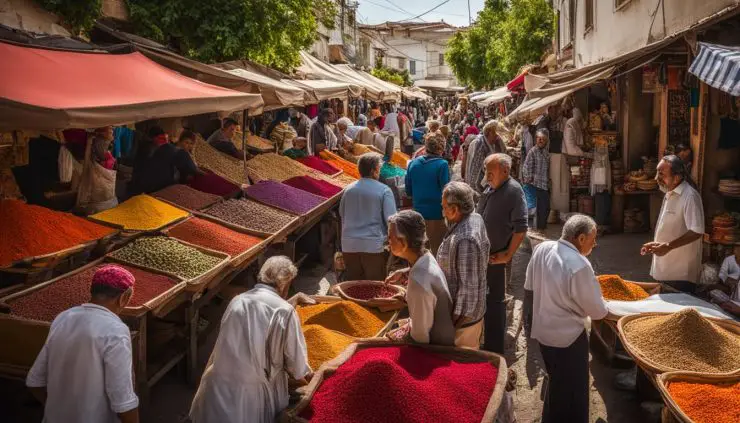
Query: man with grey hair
{"points": [[486, 144], [565, 292], [463, 257], [504, 211], [260, 345], [365, 208], [425, 178]]}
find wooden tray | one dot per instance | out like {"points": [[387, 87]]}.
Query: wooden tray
{"points": [[130, 233], [232, 226], [665, 380], [464, 355], [385, 304], [651, 366], [220, 199]]}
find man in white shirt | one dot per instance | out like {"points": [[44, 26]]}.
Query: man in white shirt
{"points": [[677, 246], [260, 344], [565, 293], [729, 274], [84, 370]]}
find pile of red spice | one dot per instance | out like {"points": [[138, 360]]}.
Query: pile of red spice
{"points": [[313, 185], [213, 184], [213, 236], [368, 291], [317, 164], [708, 403], [29, 231], [403, 384], [46, 303]]}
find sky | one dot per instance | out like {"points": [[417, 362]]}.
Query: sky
{"points": [[454, 12]]}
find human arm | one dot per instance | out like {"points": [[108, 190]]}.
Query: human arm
{"points": [[407, 180], [36, 380], [463, 164], [586, 293], [518, 216], [724, 269], [467, 301], [528, 168], [131, 416], [731, 307], [295, 354], [444, 175], [389, 205], [118, 370], [693, 214]]}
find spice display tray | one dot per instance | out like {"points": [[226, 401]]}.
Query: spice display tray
{"points": [[664, 381], [330, 299], [386, 304], [186, 209], [136, 232]]}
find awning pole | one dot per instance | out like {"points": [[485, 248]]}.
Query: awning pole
{"points": [[245, 128]]}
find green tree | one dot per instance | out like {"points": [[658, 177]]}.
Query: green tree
{"points": [[78, 15], [506, 36], [270, 32], [400, 78]]}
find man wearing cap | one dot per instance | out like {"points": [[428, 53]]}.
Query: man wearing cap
{"points": [[84, 370]]}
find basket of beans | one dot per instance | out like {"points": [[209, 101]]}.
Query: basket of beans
{"points": [[372, 294]]}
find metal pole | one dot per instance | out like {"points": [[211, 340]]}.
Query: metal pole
{"points": [[470, 17]]}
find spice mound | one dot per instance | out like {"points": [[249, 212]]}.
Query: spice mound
{"points": [[213, 184], [186, 197], [314, 186], [141, 213], [324, 344], [707, 403], [252, 215], [168, 255], [403, 384], [223, 165], [338, 162], [46, 303], [345, 317], [30, 231], [317, 164], [283, 197], [615, 288], [369, 292], [685, 341], [213, 236]]}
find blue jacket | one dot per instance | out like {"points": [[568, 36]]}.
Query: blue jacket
{"points": [[425, 178]]}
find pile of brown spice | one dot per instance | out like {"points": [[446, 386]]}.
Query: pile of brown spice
{"points": [[615, 288], [685, 341]]}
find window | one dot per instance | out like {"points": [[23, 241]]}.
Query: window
{"points": [[401, 63], [412, 67], [618, 4], [571, 20], [441, 59], [589, 18], [567, 24]]}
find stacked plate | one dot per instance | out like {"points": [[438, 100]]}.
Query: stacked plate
{"points": [[729, 187], [647, 185]]}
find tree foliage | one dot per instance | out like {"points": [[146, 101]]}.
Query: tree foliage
{"points": [[507, 35], [391, 75], [78, 15], [270, 32]]}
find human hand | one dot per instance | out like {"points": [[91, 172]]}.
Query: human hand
{"points": [[498, 258], [301, 299], [660, 248], [647, 248], [398, 277]]}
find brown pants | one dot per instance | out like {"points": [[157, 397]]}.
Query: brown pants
{"points": [[469, 337], [365, 266], [436, 230]]}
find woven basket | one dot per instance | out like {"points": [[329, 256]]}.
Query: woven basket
{"points": [[651, 366], [394, 303], [464, 355], [665, 380]]}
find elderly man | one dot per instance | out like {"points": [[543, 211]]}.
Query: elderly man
{"points": [[367, 135], [486, 144], [535, 174], [365, 208], [504, 211], [677, 246], [463, 256], [565, 293], [426, 176], [259, 346], [83, 372], [221, 139]]}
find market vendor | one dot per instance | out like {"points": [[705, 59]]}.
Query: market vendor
{"points": [[298, 150], [346, 151], [97, 189], [727, 294], [573, 136], [170, 164], [429, 302], [84, 370], [347, 128], [221, 139], [260, 345], [300, 122], [365, 208], [463, 256], [565, 293], [677, 246], [321, 136], [366, 135]]}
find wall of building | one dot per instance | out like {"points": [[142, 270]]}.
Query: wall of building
{"points": [[28, 16], [425, 53]]}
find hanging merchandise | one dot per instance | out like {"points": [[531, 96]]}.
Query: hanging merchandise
{"points": [[650, 83]]}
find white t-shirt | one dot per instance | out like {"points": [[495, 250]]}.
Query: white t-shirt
{"points": [[682, 211], [566, 292], [86, 367], [730, 269]]}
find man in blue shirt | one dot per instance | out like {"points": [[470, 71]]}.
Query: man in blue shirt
{"points": [[425, 179], [365, 208]]}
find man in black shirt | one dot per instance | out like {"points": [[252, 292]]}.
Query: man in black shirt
{"points": [[170, 164], [221, 139]]}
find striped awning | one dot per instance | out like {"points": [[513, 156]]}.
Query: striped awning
{"points": [[718, 66]]}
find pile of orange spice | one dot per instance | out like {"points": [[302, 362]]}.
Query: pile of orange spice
{"points": [[615, 288], [707, 403], [348, 167]]}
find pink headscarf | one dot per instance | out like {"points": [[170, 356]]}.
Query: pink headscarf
{"points": [[114, 276]]}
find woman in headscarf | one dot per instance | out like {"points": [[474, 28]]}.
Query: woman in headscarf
{"points": [[321, 137]]}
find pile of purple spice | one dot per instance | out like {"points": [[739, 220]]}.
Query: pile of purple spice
{"points": [[284, 197]]}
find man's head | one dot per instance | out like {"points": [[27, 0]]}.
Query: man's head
{"points": [[671, 172], [407, 234], [294, 114], [458, 201], [229, 127], [369, 165], [342, 126], [372, 125], [435, 143], [112, 287], [684, 153], [553, 111], [490, 129], [186, 140], [105, 132], [543, 137], [580, 230], [433, 125], [278, 272], [497, 168], [300, 143], [324, 115]]}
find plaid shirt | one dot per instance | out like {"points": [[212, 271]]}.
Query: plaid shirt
{"points": [[463, 256], [536, 169]]}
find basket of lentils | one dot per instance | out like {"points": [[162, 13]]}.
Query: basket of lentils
{"points": [[372, 294]]}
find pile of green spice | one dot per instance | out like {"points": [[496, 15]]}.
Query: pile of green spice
{"points": [[167, 255]]}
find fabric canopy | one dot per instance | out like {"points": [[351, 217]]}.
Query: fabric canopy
{"points": [[52, 89], [276, 94], [313, 68], [492, 97], [719, 67], [391, 92], [415, 93], [437, 85], [322, 89], [517, 82]]}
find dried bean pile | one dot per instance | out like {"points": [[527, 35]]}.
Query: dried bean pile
{"points": [[707, 403], [30, 231], [167, 255], [317, 164], [284, 197], [685, 341], [141, 213], [346, 317], [213, 184], [271, 166], [251, 215], [213, 236], [343, 180], [369, 292], [46, 303], [223, 165], [324, 344], [403, 384], [615, 288], [186, 197], [314, 186]]}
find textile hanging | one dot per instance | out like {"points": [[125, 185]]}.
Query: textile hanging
{"points": [[718, 66]]}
